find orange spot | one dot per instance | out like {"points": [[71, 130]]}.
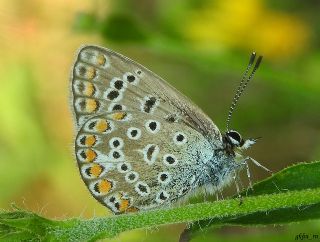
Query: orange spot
{"points": [[101, 60], [124, 204], [132, 210], [104, 186], [119, 115], [91, 155], [89, 91], [91, 105], [91, 73], [90, 140], [96, 170], [102, 125]]}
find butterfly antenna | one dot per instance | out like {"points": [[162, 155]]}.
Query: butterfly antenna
{"points": [[244, 82]]}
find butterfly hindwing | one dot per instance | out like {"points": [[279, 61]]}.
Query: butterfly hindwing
{"points": [[131, 161]]}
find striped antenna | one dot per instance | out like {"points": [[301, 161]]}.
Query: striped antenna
{"points": [[243, 84]]}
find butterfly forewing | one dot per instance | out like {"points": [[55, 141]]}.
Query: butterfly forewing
{"points": [[139, 140], [103, 80]]}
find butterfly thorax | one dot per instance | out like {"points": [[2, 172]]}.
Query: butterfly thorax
{"points": [[218, 171], [225, 161]]}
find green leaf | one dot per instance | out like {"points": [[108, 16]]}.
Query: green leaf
{"points": [[300, 177], [296, 197]]}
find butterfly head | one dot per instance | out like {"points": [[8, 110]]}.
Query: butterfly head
{"points": [[233, 140]]}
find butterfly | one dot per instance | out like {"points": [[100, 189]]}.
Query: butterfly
{"points": [[140, 144]]}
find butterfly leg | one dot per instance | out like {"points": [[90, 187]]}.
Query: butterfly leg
{"points": [[245, 162], [221, 194], [258, 164], [248, 175], [235, 178]]}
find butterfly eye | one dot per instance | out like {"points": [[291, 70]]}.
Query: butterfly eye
{"points": [[234, 137]]}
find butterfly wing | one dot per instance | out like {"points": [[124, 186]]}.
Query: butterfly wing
{"points": [[103, 80], [140, 143], [133, 161]]}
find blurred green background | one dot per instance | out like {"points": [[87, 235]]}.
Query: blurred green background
{"points": [[199, 46]]}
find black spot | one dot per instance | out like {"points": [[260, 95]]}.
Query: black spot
{"points": [[150, 151], [149, 104], [139, 72], [131, 78], [170, 160], [81, 87], [180, 137], [97, 105], [118, 84], [162, 196], [116, 143], [153, 125], [116, 155], [134, 133], [113, 95], [82, 71], [142, 188], [117, 205], [83, 104], [112, 199], [184, 190], [131, 176], [163, 177], [94, 90], [92, 124], [88, 171], [117, 107], [83, 154], [124, 167], [83, 140], [96, 187], [171, 119]]}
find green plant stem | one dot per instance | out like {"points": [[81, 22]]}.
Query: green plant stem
{"points": [[282, 206]]}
